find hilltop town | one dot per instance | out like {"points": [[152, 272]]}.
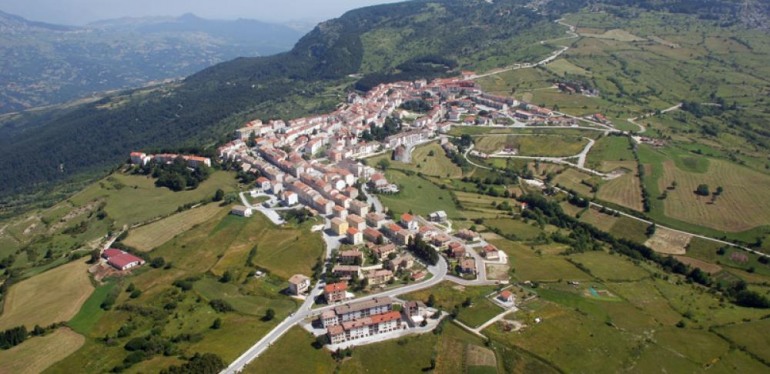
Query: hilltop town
{"points": [[315, 163]]}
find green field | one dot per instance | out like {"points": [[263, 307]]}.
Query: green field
{"points": [[283, 356], [134, 198], [609, 148], [39, 353], [91, 312], [438, 165], [610, 267], [418, 195], [532, 145], [153, 235], [448, 295]]}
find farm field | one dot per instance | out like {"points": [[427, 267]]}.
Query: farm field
{"points": [[609, 148], [668, 241], [134, 198], [150, 236], [630, 229], [740, 207], [39, 353], [53, 296], [750, 335], [283, 356], [625, 190], [532, 145], [571, 178], [449, 295], [610, 267], [530, 266]]}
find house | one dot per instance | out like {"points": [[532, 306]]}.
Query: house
{"points": [[139, 158], [383, 251], [339, 226], [356, 221], [505, 296], [121, 260], [298, 284], [289, 198], [403, 237], [439, 216], [340, 212], [353, 257], [490, 252], [380, 276], [376, 220], [409, 222], [347, 271], [404, 261], [468, 235], [373, 235], [468, 266], [240, 210], [335, 292], [415, 311], [456, 250], [354, 236], [359, 207], [418, 276], [441, 240], [263, 183]]}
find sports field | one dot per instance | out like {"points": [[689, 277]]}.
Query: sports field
{"points": [[53, 296]]}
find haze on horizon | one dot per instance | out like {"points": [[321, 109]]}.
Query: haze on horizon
{"points": [[81, 12]]}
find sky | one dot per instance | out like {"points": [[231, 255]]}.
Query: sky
{"points": [[80, 12]]}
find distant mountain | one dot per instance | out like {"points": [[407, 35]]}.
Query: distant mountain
{"points": [[43, 64]]}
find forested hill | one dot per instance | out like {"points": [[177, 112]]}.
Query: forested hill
{"points": [[421, 38]]}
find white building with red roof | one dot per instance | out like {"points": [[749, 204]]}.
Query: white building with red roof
{"points": [[121, 260]]}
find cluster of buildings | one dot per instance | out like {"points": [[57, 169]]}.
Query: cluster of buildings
{"points": [[366, 318], [140, 158]]}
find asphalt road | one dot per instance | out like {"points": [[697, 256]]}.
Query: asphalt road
{"points": [[439, 272]]}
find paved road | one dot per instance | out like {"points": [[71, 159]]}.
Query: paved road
{"points": [[269, 213], [641, 127], [371, 199], [439, 272], [641, 219]]}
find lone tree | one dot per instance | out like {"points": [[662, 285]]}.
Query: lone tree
{"points": [[269, 315], [383, 164], [703, 190], [719, 191], [650, 230]]}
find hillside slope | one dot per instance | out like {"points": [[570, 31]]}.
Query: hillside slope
{"points": [[95, 136]]}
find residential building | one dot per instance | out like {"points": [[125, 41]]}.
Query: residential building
{"points": [[380, 276], [339, 226], [415, 311], [356, 221], [505, 296], [363, 327], [468, 266], [335, 292], [409, 222], [439, 216], [456, 250], [376, 220], [490, 252], [298, 284], [373, 235], [360, 208], [383, 251], [240, 210], [354, 236], [347, 271], [352, 257]]}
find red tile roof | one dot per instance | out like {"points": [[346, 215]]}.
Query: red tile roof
{"points": [[342, 286]]}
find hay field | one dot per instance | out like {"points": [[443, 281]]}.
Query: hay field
{"points": [[744, 204], [668, 242], [615, 34], [155, 234], [39, 353], [53, 296], [625, 190]]}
